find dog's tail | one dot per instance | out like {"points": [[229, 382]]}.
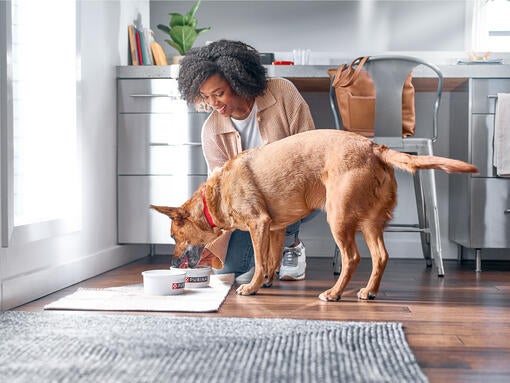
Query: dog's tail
{"points": [[411, 163]]}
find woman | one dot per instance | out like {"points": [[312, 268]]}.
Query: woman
{"points": [[248, 110]]}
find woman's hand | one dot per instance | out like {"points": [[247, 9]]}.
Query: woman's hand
{"points": [[207, 258]]}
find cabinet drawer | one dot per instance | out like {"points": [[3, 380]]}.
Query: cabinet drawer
{"points": [[149, 95], [482, 89], [482, 138], [161, 144], [163, 160], [137, 223], [490, 213]]}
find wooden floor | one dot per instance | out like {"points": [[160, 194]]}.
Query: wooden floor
{"points": [[458, 326]]}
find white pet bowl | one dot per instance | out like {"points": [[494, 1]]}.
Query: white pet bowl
{"points": [[164, 282], [196, 277]]}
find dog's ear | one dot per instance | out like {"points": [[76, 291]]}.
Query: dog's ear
{"points": [[176, 214]]}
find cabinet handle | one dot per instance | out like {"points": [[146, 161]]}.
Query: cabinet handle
{"points": [[180, 144], [492, 96], [507, 211], [156, 95]]}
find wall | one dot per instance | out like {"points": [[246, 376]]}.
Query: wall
{"points": [[31, 268], [329, 28]]}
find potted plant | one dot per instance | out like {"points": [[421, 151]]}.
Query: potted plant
{"points": [[182, 30]]}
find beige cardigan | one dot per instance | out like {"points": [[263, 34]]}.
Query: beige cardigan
{"points": [[281, 112]]}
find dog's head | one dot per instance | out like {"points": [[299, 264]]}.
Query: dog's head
{"points": [[189, 231]]}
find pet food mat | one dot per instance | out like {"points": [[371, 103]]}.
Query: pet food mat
{"points": [[132, 298]]}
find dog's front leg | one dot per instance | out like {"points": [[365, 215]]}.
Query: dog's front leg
{"points": [[259, 231], [275, 256]]}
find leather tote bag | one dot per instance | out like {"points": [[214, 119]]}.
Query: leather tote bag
{"points": [[355, 95]]}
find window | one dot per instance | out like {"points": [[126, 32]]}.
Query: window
{"points": [[44, 127], [491, 26]]}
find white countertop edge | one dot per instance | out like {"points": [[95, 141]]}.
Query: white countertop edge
{"points": [[320, 71]]}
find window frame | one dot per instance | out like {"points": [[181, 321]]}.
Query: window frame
{"points": [[483, 37], [10, 234], [6, 122]]}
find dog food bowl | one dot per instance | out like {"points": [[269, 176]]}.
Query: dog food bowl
{"points": [[196, 277], [164, 282]]}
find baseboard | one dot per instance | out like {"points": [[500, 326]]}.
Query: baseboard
{"points": [[27, 287]]}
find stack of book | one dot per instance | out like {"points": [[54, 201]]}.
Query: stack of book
{"points": [[143, 49]]}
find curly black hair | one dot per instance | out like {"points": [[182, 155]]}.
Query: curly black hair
{"points": [[236, 61]]}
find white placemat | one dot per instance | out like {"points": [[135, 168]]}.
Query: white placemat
{"points": [[132, 298]]}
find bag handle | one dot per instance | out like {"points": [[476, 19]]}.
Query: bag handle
{"points": [[345, 76]]}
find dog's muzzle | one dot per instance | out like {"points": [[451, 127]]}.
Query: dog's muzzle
{"points": [[189, 258]]}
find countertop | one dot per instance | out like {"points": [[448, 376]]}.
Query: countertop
{"points": [[320, 71]]}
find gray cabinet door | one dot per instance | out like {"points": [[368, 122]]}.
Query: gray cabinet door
{"points": [[149, 96], [137, 222], [160, 144], [482, 139], [490, 213]]}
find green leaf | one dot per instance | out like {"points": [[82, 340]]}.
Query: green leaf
{"points": [[164, 28], [202, 30], [193, 9], [190, 21], [177, 20], [184, 37], [177, 47]]}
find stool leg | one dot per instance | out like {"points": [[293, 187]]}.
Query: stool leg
{"points": [[432, 214], [478, 260], [422, 219], [435, 234]]}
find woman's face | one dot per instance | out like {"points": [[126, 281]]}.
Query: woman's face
{"points": [[217, 92]]}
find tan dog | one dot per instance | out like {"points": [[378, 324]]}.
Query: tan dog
{"points": [[264, 190]]}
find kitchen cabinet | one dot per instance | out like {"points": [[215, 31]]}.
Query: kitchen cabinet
{"points": [[479, 203], [159, 156]]}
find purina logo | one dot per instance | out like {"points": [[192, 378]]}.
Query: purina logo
{"points": [[177, 285], [196, 279]]}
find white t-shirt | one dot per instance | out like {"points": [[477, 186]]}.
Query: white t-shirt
{"points": [[249, 130]]}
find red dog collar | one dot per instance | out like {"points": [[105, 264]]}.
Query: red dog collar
{"points": [[207, 213]]}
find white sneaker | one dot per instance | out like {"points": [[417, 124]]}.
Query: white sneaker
{"points": [[246, 277], [293, 263]]}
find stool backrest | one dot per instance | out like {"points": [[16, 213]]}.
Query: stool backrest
{"points": [[389, 74]]}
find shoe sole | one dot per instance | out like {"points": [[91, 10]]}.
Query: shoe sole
{"points": [[291, 278]]}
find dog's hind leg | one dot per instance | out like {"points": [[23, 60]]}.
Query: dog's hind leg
{"points": [[375, 241], [260, 236], [350, 260], [275, 256], [343, 233], [343, 222]]}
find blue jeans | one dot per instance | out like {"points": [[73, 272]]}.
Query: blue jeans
{"points": [[240, 257]]}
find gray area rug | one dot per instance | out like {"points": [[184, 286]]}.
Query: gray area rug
{"points": [[84, 347]]}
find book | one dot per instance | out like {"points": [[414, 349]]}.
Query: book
{"points": [[142, 47], [159, 55], [138, 47], [132, 45], [148, 39]]}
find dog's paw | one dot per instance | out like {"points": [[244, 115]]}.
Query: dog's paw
{"points": [[365, 294], [245, 290], [329, 296]]}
